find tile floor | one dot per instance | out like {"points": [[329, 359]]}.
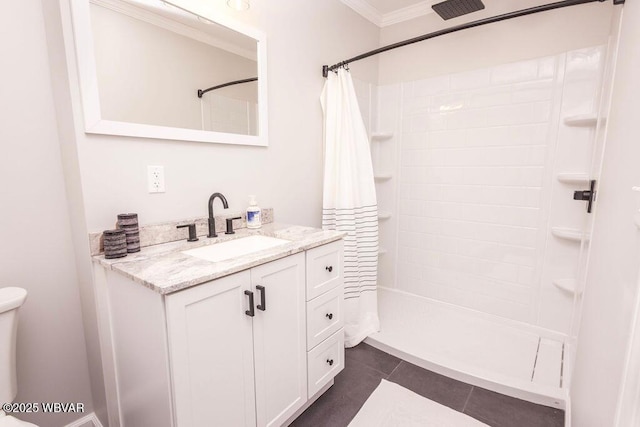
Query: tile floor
{"points": [[365, 366]]}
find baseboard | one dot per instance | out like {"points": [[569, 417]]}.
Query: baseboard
{"points": [[309, 402], [87, 421]]}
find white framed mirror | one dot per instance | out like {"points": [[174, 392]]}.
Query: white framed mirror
{"points": [[149, 69]]}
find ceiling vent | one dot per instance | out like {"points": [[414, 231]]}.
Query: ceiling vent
{"points": [[454, 8]]}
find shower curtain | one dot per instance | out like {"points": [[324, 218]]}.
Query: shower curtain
{"points": [[349, 203]]}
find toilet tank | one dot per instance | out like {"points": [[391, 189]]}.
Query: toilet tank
{"points": [[10, 300]]}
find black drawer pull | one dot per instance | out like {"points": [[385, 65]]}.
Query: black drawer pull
{"points": [[250, 312], [263, 298], [329, 315], [330, 362], [329, 269]]}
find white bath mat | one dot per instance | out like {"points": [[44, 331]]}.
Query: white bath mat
{"points": [[391, 405]]}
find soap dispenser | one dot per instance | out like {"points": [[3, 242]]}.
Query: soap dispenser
{"points": [[254, 214]]}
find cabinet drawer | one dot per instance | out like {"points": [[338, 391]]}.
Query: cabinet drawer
{"points": [[324, 269], [325, 361], [324, 316]]}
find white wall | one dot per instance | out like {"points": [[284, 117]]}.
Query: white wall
{"points": [[287, 175], [163, 71], [37, 251], [106, 175], [534, 36], [612, 283]]}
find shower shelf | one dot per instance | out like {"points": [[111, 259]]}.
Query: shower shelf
{"points": [[571, 234], [384, 215], [582, 120], [567, 285], [381, 136], [573, 178], [382, 177]]}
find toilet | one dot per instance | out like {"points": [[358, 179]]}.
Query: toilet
{"points": [[10, 301]]}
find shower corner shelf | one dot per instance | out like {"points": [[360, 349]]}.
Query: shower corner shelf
{"points": [[382, 177], [381, 136], [582, 120], [570, 234], [573, 178], [567, 285], [384, 215]]}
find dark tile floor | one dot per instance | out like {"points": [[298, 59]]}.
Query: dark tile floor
{"points": [[365, 366]]}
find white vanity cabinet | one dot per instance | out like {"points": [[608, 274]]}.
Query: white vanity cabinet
{"points": [[216, 339], [204, 356]]}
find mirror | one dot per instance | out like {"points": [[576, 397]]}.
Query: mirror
{"points": [[150, 69]]}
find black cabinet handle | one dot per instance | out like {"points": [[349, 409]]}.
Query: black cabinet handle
{"points": [[329, 315], [263, 298], [330, 362], [250, 312], [329, 269]]}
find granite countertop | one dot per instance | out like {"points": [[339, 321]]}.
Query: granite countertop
{"points": [[165, 269]]}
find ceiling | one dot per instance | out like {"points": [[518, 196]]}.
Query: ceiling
{"points": [[389, 12]]}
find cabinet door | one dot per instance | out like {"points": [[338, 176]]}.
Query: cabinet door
{"points": [[279, 333], [211, 351]]}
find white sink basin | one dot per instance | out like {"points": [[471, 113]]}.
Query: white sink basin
{"points": [[235, 248]]}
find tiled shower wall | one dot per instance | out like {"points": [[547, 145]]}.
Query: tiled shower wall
{"points": [[226, 114], [475, 179]]}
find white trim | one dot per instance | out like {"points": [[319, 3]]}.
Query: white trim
{"points": [[385, 19], [82, 45], [366, 10], [173, 26], [407, 13], [86, 419], [567, 411], [628, 407]]}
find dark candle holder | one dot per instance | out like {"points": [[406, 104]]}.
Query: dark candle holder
{"points": [[115, 244], [129, 223]]}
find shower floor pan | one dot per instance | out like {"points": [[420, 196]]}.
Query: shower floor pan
{"points": [[507, 357]]}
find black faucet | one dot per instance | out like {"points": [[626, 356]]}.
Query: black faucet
{"points": [[212, 220]]}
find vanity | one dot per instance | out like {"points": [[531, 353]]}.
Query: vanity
{"points": [[203, 340]]}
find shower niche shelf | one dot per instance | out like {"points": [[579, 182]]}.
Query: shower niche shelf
{"points": [[567, 285], [382, 215], [382, 177], [582, 120], [573, 178], [571, 234], [381, 136]]}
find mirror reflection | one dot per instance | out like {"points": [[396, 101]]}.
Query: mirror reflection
{"points": [[159, 65]]}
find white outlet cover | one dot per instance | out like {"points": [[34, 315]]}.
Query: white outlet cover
{"points": [[155, 179]]}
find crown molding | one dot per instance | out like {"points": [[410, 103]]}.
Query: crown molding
{"points": [[366, 10], [406, 13], [383, 20]]}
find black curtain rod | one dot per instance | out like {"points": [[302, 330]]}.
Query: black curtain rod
{"points": [[498, 18], [235, 82]]}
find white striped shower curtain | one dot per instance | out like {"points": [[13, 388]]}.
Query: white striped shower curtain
{"points": [[349, 203]]}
